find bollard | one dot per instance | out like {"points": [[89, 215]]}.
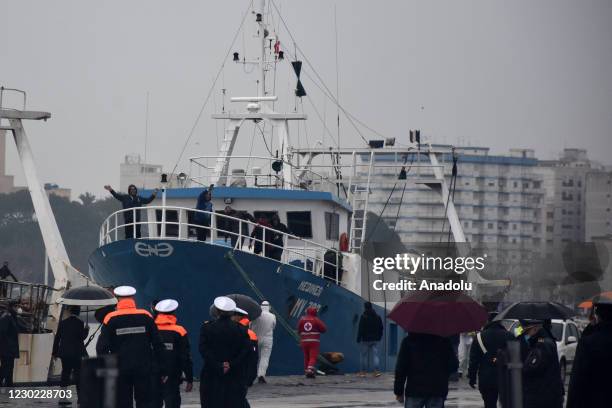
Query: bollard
{"points": [[515, 368], [99, 382]]}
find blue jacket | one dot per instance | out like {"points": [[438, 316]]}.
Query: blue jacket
{"points": [[127, 201], [203, 205]]}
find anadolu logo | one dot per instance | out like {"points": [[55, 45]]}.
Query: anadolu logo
{"points": [[162, 249]]}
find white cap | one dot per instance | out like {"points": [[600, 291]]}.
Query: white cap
{"points": [[241, 311], [124, 291], [265, 303], [225, 304], [166, 305]]}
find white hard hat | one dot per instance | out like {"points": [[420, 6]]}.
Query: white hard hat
{"points": [[241, 311], [124, 291], [265, 303], [225, 304], [166, 305]]}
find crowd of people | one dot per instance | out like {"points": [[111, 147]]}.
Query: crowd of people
{"points": [[426, 362], [229, 228]]}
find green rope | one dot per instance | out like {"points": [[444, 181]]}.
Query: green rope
{"points": [[293, 333]]}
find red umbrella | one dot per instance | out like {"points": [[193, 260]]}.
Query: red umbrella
{"points": [[442, 313]]}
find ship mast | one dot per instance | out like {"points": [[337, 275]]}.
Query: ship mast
{"points": [[262, 56], [257, 110]]}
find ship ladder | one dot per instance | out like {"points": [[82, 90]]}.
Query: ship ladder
{"points": [[360, 196]]}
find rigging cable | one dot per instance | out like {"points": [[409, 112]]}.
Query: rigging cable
{"points": [[195, 124], [453, 182], [386, 203], [330, 96]]}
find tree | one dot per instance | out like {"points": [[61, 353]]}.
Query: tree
{"points": [[21, 242]]}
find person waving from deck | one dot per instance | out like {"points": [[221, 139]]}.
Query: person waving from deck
{"points": [[203, 218], [131, 200]]}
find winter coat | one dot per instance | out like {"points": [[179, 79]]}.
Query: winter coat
{"points": [[423, 365], [310, 327], [370, 327], [590, 381], [264, 325], [127, 202], [250, 372], [203, 205], [484, 365], [131, 334], [68, 342], [542, 386], [176, 356], [9, 335]]}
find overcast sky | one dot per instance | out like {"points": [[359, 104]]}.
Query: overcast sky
{"points": [[491, 73]]}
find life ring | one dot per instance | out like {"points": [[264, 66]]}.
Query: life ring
{"points": [[344, 242]]}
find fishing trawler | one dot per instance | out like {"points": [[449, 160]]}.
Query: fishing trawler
{"points": [[320, 193]]}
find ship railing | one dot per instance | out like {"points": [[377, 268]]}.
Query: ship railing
{"points": [[188, 224], [32, 301], [258, 172]]}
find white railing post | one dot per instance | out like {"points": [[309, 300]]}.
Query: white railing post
{"points": [[337, 266], [116, 226], [213, 226], [134, 222], [180, 224], [263, 244], [239, 242]]}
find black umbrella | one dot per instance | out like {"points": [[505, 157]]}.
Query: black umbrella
{"points": [[87, 296], [536, 311], [101, 313], [248, 304]]}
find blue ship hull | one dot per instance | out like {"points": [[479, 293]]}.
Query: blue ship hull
{"points": [[195, 273]]}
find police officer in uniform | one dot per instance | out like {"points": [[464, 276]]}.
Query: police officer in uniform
{"points": [[131, 334], [542, 386], [224, 345], [483, 360], [176, 357], [250, 372]]}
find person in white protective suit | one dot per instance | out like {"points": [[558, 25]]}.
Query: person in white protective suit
{"points": [[263, 326]]}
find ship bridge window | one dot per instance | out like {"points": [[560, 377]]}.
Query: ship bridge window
{"points": [[332, 225], [171, 217], [299, 223], [266, 214]]}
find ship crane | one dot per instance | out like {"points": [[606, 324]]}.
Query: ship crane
{"points": [[38, 345]]}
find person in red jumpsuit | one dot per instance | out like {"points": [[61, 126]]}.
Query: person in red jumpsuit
{"points": [[310, 328]]}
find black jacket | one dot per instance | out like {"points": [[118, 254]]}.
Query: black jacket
{"points": [[370, 327], [224, 340], [590, 380], [423, 366], [484, 365], [176, 357], [542, 386], [131, 334], [233, 226], [127, 201], [9, 336], [69, 338]]}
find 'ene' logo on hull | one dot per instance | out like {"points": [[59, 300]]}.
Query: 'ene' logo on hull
{"points": [[163, 249]]}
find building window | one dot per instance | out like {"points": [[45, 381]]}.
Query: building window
{"points": [[332, 225], [490, 225], [299, 223], [514, 227], [515, 184]]}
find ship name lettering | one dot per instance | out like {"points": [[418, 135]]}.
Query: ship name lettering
{"points": [[311, 288]]}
